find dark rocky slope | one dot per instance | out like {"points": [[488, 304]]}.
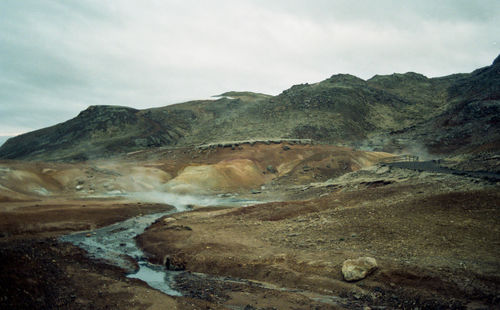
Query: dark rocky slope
{"points": [[399, 112], [468, 121]]}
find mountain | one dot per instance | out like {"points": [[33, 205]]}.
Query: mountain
{"points": [[468, 121], [3, 139], [399, 112], [98, 131]]}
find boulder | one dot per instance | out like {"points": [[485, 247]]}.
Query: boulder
{"points": [[359, 268]]}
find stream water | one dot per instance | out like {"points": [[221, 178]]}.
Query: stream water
{"points": [[116, 244]]}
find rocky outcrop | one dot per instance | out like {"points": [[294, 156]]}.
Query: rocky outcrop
{"points": [[359, 268]]}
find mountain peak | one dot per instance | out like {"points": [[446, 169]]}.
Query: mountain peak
{"points": [[398, 77], [342, 78], [496, 61], [106, 109]]}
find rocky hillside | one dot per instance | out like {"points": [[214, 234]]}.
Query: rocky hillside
{"points": [[467, 121], [399, 112], [97, 132]]}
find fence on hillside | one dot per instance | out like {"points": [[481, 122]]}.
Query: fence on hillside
{"points": [[399, 158]]}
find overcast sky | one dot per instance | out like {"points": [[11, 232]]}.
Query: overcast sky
{"points": [[58, 57]]}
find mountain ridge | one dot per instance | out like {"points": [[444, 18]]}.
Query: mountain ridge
{"points": [[379, 113]]}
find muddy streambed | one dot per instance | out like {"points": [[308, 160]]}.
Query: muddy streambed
{"points": [[116, 245]]}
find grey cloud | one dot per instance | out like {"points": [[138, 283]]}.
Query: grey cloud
{"points": [[58, 57], [388, 11]]}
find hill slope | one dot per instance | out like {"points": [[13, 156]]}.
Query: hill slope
{"points": [[447, 115]]}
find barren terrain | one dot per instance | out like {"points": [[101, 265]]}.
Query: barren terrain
{"points": [[434, 235], [435, 238]]}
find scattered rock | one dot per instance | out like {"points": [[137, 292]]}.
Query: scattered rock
{"points": [[254, 191], [173, 263], [286, 147], [169, 220], [271, 169], [178, 227], [79, 187], [474, 305], [357, 269], [383, 169]]}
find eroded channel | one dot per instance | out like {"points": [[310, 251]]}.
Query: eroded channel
{"points": [[116, 245]]}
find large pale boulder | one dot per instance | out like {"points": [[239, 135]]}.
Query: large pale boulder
{"points": [[359, 268]]}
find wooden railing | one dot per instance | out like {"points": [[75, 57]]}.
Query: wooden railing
{"points": [[399, 158]]}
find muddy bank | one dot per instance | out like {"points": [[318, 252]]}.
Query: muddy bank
{"points": [[55, 217], [47, 274]]}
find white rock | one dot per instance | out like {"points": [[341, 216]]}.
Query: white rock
{"points": [[382, 170], [169, 220], [357, 269]]}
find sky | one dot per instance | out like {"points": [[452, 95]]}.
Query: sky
{"points": [[58, 57]]}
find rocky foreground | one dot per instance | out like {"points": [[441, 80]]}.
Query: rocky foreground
{"points": [[426, 239]]}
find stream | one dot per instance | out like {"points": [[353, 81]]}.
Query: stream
{"points": [[116, 244]]}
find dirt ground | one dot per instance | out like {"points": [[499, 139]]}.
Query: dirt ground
{"points": [[436, 241], [435, 236], [54, 217]]}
